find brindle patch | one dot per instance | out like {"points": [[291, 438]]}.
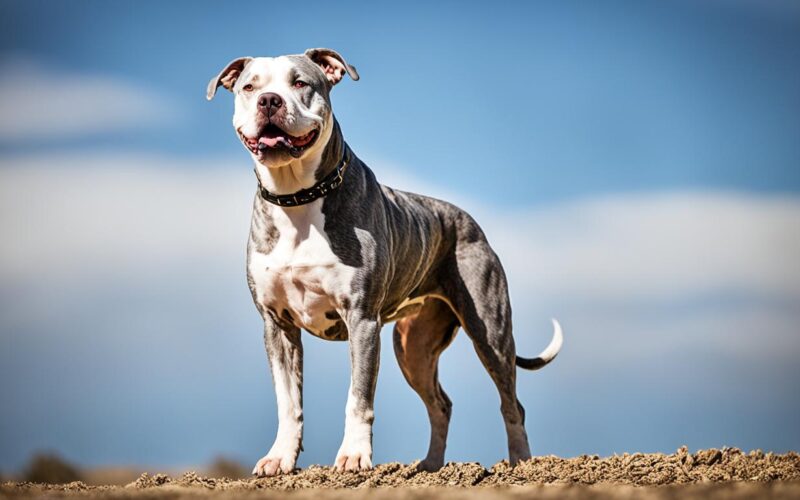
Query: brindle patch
{"points": [[336, 332]]}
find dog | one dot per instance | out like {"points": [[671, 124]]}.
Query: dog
{"points": [[333, 252]]}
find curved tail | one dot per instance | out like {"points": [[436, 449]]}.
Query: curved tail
{"points": [[549, 353]]}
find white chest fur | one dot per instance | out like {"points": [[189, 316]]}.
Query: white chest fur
{"points": [[301, 275]]}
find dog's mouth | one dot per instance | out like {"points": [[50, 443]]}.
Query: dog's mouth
{"points": [[271, 137]]}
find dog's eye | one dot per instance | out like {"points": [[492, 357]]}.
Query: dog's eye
{"points": [[248, 87], [299, 84]]}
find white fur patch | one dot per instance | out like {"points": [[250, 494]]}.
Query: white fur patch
{"points": [[301, 274], [554, 347], [355, 453]]}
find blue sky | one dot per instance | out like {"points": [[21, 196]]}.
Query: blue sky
{"points": [[636, 165]]}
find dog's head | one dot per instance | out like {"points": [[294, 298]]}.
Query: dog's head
{"points": [[282, 104]]}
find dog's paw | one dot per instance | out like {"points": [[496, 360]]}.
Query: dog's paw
{"points": [[281, 458], [516, 458], [273, 465], [353, 463], [430, 465], [354, 457]]}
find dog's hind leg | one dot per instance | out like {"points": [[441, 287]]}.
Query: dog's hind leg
{"points": [[479, 295], [418, 342]]}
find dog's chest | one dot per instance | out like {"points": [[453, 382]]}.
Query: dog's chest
{"points": [[300, 278]]}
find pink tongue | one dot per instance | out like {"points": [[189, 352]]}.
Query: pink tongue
{"points": [[270, 141]]}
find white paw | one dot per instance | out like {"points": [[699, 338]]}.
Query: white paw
{"points": [[354, 455], [280, 459]]}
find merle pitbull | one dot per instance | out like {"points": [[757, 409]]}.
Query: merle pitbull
{"points": [[337, 254]]}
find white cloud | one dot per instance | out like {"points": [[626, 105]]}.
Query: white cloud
{"points": [[85, 214], [655, 245], [100, 211], [609, 267], [41, 103]]}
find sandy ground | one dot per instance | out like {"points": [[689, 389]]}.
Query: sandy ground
{"points": [[726, 473]]}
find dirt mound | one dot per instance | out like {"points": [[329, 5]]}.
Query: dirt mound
{"points": [[727, 464], [638, 469]]}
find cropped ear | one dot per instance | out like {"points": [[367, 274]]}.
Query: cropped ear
{"points": [[332, 64], [227, 77]]}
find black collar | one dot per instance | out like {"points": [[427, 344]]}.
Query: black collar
{"points": [[330, 183]]}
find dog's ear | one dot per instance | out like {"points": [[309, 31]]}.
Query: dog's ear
{"points": [[227, 77], [332, 64]]}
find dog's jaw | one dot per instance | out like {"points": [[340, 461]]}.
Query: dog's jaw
{"points": [[297, 173]]}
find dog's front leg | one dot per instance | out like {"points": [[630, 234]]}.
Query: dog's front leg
{"points": [[285, 353], [365, 348]]}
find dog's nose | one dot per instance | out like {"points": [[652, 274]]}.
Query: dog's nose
{"points": [[270, 102]]}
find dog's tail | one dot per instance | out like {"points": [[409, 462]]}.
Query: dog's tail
{"points": [[549, 353]]}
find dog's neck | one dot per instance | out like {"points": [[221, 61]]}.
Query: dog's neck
{"points": [[302, 173]]}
